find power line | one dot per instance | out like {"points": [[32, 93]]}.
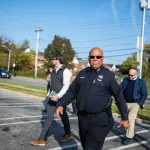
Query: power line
{"points": [[110, 50], [120, 55], [98, 26], [108, 45], [110, 38], [85, 23]]}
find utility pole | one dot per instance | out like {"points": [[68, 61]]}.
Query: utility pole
{"points": [[143, 5], [9, 59], [37, 49], [9, 50]]}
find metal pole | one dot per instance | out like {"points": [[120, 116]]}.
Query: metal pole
{"points": [[142, 42], [9, 59], [8, 56], [36, 55], [37, 48]]}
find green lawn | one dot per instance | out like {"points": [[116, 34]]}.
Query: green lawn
{"points": [[142, 114], [32, 90], [148, 87]]}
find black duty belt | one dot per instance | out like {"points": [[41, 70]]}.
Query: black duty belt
{"points": [[84, 114]]}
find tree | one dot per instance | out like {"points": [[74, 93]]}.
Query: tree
{"points": [[62, 46], [24, 62], [146, 60], [131, 62], [16, 53], [5, 48], [25, 45]]}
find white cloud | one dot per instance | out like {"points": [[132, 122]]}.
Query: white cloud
{"points": [[114, 9], [133, 11]]}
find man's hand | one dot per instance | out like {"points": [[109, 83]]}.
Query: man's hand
{"points": [[59, 111], [54, 98], [124, 123], [141, 107]]}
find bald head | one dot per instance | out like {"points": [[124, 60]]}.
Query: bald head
{"points": [[96, 57], [96, 49], [132, 74]]}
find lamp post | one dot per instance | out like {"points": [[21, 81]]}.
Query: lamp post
{"points": [[143, 4], [14, 65], [8, 56], [37, 48]]}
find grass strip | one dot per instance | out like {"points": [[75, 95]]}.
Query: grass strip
{"points": [[142, 114], [23, 85], [30, 91], [20, 87]]}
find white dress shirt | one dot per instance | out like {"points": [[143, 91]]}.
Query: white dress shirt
{"points": [[66, 82]]}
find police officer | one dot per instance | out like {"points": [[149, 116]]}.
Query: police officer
{"points": [[92, 89]]}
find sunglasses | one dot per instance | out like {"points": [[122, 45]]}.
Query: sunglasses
{"points": [[54, 59], [98, 57], [130, 75]]}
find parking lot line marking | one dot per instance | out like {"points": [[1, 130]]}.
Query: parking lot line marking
{"points": [[13, 118], [34, 121], [13, 123], [21, 106], [67, 146], [22, 117], [131, 145], [108, 138], [138, 132], [1, 104]]}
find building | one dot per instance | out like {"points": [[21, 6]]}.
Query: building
{"points": [[79, 64]]}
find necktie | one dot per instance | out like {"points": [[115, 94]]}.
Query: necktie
{"points": [[86, 90]]}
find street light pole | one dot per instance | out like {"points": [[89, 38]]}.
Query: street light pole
{"points": [[8, 56], [37, 47], [144, 5], [9, 59], [142, 42]]}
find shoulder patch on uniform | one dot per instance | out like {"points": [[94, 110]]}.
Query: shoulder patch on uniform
{"points": [[100, 76]]}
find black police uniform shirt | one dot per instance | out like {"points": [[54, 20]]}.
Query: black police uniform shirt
{"points": [[102, 88]]}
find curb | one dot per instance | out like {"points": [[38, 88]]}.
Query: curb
{"points": [[30, 78], [138, 120]]}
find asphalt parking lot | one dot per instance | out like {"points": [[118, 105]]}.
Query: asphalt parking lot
{"points": [[21, 120]]}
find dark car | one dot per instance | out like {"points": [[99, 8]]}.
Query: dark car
{"points": [[4, 73]]}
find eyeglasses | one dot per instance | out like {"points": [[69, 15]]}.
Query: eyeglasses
{"points": [[130, 75], [98, 57]]}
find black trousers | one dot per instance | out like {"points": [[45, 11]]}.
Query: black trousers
{"points": [[93, 130], [49, 119]]}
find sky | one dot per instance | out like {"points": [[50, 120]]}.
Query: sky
{"points": [[112, 25]]}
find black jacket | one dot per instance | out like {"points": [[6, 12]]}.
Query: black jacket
{"points": [[101, 91]]}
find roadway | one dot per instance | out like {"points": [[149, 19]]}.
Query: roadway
{"points": [[35, 82], [26, 81], [22, 118]]}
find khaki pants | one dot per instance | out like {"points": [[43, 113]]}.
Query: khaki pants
{"points": [[132, 114]]}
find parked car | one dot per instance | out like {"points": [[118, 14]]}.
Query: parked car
{"points": [[4, 73]]}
